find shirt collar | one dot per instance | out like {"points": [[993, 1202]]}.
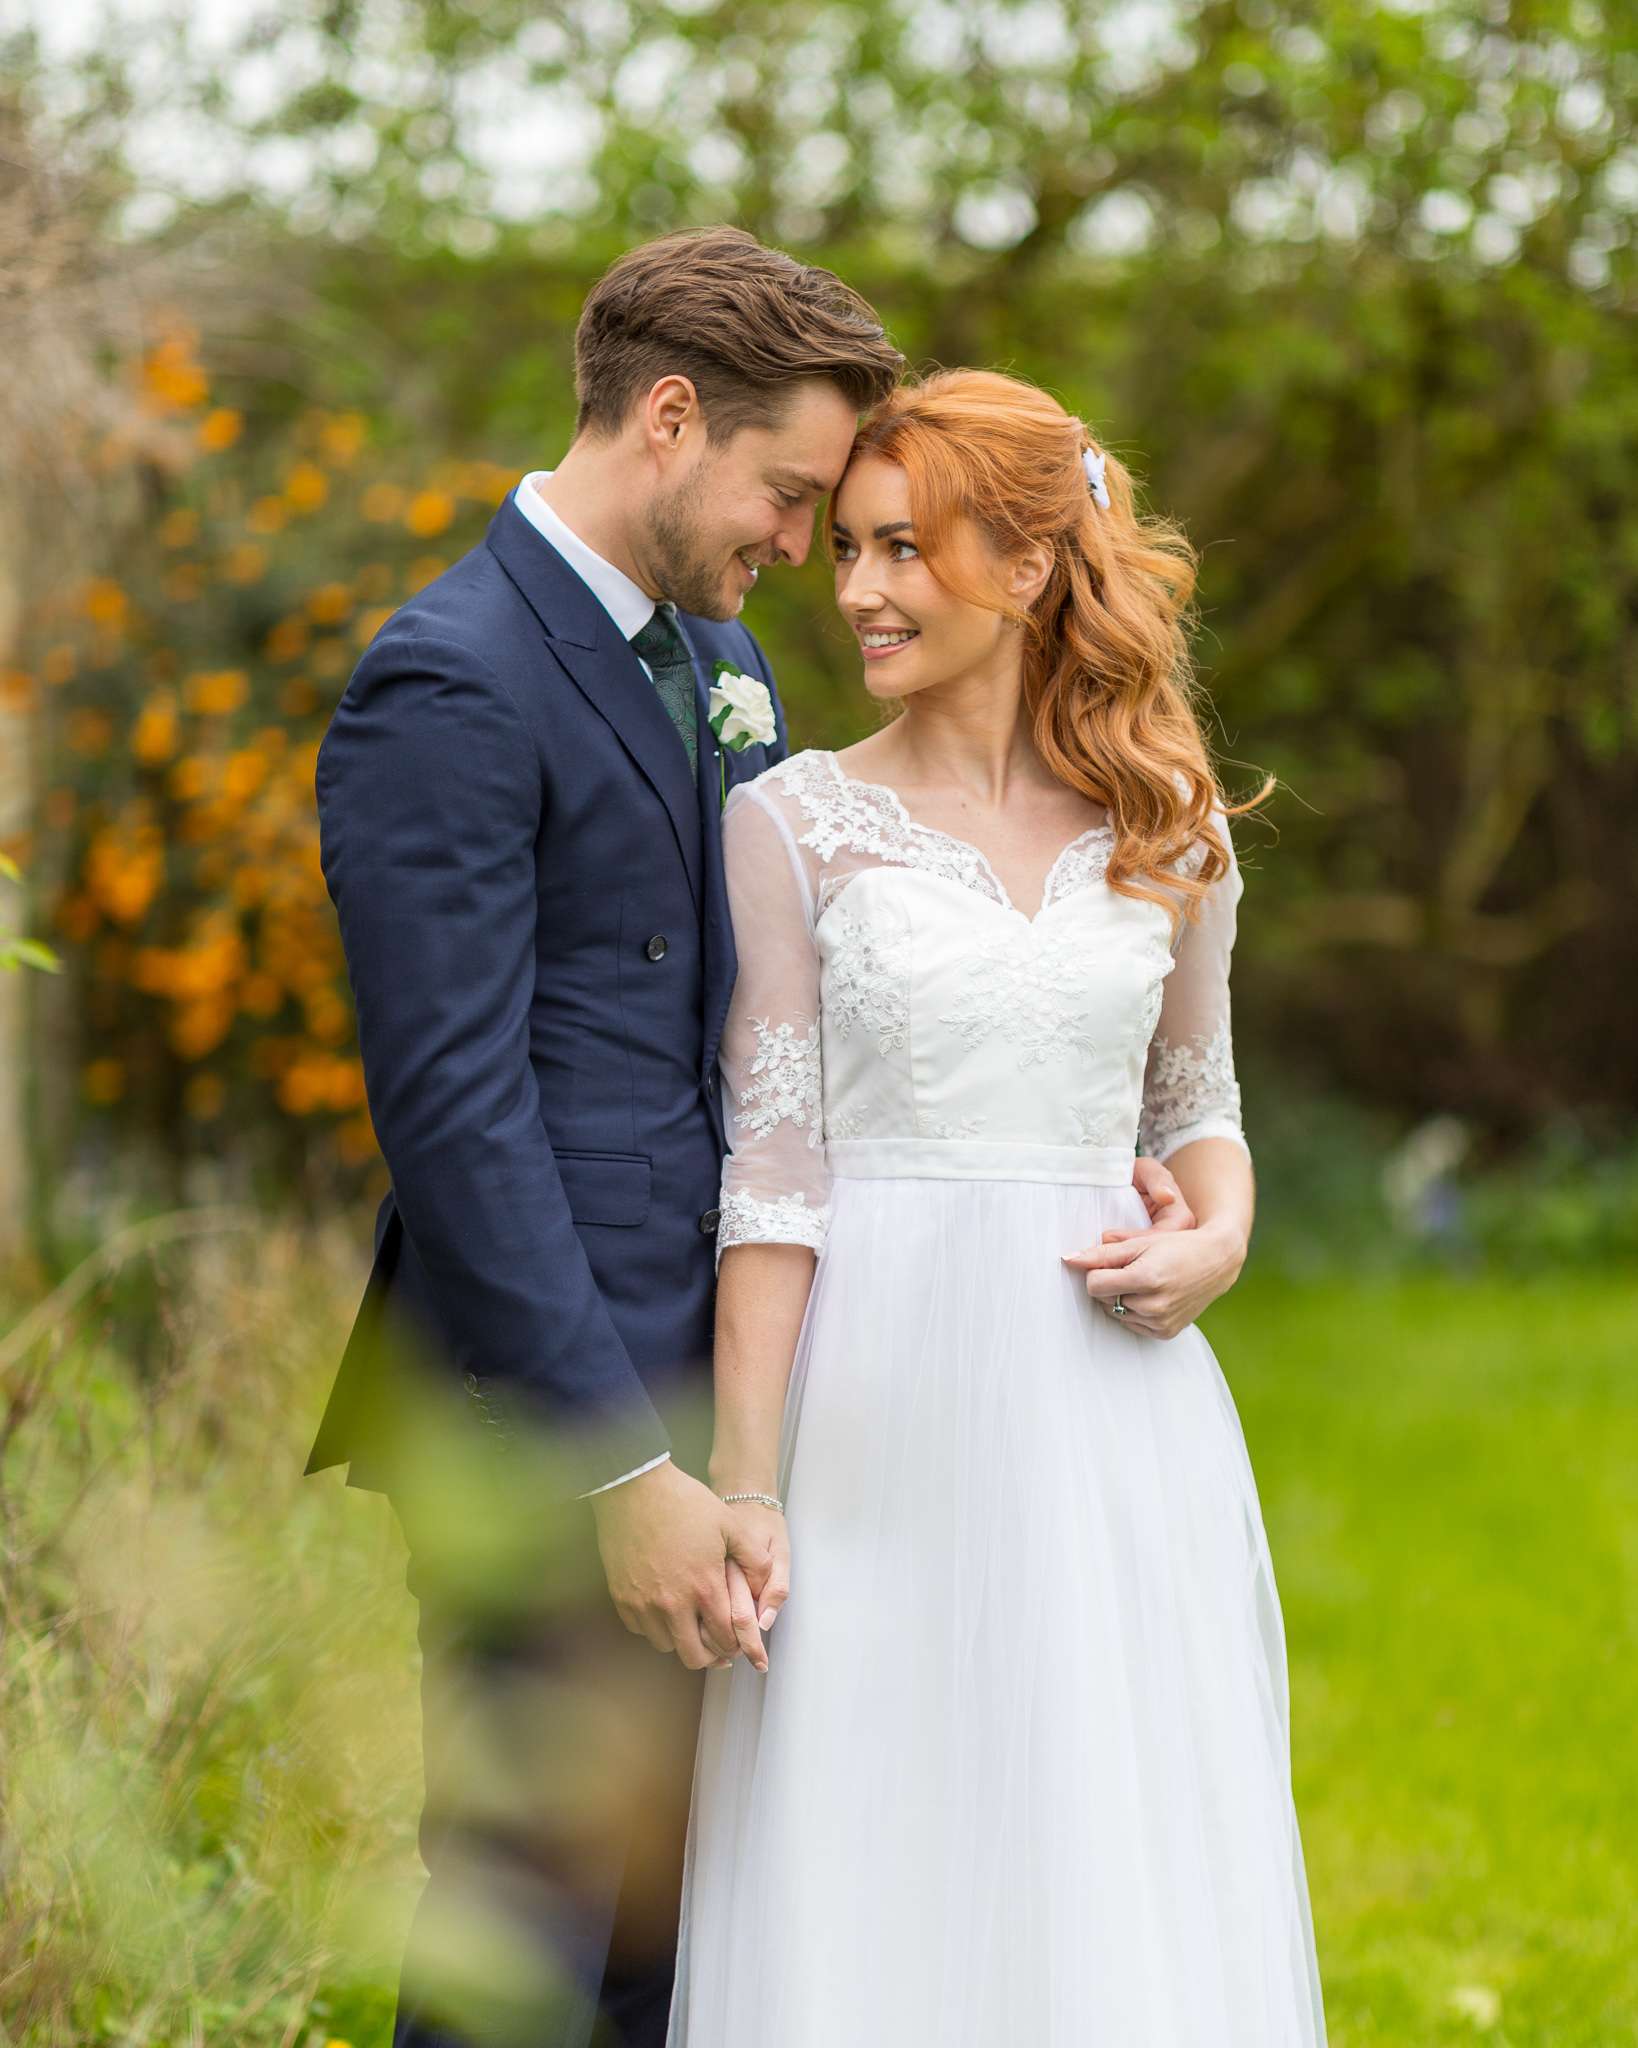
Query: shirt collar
{"points": [[626, 603]]}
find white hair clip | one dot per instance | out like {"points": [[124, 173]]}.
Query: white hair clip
{"points": [[1093, 465]]}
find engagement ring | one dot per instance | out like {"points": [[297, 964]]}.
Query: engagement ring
{"points": [[1117, 1307]]}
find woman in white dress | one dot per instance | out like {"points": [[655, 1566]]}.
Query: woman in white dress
{"points": [[1013, 1770]]}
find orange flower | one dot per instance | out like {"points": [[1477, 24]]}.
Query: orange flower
{"points": [[58, 666], [179, 529], [105, 603], [219, 429], [197, 1029], [153, 738], [429, 513], [381, 502], [306, 487], [329, 604], [246, 563], [215, 692], [369, 623], [244, 774], [172, 380], [188, 779], [123, 872], [343, 436], [16, 689], [287, 641]]}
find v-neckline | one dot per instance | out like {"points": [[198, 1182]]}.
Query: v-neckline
{"points": [[935, 832]]}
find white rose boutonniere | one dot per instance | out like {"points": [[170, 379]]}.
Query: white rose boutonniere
{"points": [[742, 713]]}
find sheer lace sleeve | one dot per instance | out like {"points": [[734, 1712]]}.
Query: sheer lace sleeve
{"points": [[1189, 1088], [775, 1185]]}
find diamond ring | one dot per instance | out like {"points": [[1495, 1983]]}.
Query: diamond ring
{"points": [[1117, 1307]]}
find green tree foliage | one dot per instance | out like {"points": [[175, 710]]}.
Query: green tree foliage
{"points": [[1350, 286]]}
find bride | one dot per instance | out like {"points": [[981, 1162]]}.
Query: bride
{"points": [[1013, 1768]]}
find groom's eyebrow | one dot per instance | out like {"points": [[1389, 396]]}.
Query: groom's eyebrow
{"points": [[806, 483]]}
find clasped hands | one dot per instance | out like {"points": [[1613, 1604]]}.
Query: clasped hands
{"points": [[695, 1576]]}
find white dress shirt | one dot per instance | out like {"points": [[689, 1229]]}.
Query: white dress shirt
{"points": [[631, 608]]}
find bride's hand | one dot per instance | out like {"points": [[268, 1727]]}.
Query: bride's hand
{"points": [[1164, 1281], [756, 1593]]}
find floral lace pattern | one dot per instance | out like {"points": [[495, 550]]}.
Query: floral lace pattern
{"points": [[782, 1083], [769, 1219], [1029, 991], [951, 1127], [868, 983], [1189, 1082], [1092, 1127], [1083, 862], [867, 817]]}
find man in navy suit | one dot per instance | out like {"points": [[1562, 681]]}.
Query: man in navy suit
{"points": [[519, 799]]}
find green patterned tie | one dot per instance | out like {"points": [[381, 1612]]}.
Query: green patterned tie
{"points": [[661, 645]]}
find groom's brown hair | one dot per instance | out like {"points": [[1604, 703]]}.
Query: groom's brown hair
{"points": [[740, 320]]}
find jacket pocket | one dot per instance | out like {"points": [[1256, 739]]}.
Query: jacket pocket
{"points": [[606, 1187]]}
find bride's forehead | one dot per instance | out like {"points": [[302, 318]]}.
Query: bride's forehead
{"points": [[872, 491]]}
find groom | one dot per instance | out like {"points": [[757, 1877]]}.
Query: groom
{"points": [[519, 799]]}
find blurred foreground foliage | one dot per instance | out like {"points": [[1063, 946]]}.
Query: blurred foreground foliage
{"points": [[208, 1731]]}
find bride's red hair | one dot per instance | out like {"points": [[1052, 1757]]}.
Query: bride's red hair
{"points": [[1108, 679]]}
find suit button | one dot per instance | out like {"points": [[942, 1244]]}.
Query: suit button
{"points": [[655, 949], [709, 1222]]}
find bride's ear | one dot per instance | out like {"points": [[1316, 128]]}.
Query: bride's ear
{"points": [[1028, 575]]}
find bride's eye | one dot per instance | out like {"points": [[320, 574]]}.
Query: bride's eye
{"points": [[910, 544]]}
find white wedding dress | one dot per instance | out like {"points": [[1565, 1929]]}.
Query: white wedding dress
{"points": [[1018, 1776]]}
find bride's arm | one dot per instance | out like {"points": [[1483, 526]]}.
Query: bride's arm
{"points": [[1191, 1122], [775, 1184]]}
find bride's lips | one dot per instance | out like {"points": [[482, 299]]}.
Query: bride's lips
{"points": [[898, 647]]}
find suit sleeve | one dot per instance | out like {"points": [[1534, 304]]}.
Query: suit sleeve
{"points": [[430, 797]]}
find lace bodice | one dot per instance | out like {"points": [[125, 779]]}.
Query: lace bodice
{"points": [[896, 1013]]}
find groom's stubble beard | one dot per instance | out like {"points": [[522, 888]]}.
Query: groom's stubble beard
{"points": [[692, 583]]}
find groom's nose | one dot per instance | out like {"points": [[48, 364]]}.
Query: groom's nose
{"points": [[793, 537]]}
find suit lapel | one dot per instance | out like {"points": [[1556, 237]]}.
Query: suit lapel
{"points": [[598, 659], [720, 961]]}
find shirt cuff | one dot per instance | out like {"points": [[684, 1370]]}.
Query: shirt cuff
{"points": [[636, 1473]]}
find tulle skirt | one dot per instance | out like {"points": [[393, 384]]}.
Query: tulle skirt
{"points": [[1018, 1776]]}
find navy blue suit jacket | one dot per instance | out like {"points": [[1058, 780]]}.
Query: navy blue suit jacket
{"points": [[536, 927]]}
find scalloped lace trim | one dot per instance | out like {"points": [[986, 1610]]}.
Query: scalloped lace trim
{"points": [[770, 1219]]}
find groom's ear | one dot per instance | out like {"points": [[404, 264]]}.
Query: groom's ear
{"points": [[672, 405]]}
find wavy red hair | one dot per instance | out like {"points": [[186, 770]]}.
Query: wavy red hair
{"points": [[1109, 684]]}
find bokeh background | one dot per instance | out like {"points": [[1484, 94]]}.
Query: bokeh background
{"points": [[287, 298]]}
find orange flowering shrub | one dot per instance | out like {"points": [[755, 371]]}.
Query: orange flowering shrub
{"points": [[187, 688]]}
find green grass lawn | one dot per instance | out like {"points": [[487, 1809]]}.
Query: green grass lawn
{"points": [[1449, 1475], [207, 1692]]}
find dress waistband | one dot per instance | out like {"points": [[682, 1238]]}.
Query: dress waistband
{"points": [[1104, 1166]]}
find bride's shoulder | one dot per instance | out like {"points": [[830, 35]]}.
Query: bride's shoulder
{"points": [[799, 781]]}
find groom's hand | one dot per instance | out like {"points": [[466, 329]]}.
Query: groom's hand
{"points": [[665, 1541]]}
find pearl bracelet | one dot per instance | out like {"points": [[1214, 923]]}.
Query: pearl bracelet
{"points": [[762, 1499]]}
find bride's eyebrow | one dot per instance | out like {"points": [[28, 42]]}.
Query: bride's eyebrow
{"points": [[880, 533]]}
